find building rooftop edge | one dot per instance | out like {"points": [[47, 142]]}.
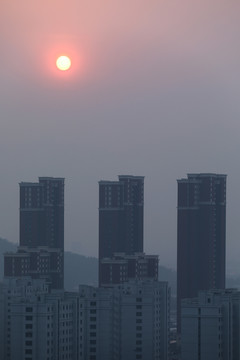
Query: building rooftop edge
{"points": [[27, 183], [206, 174], [115, 182], [198, 176], [50, 178], [131, 176], [34, 183], [109, 182]]}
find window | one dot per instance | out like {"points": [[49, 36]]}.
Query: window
{"points": [[28, 343], [28, 318], [29, 309]]}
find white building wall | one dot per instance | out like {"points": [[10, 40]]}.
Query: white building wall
{"points": [[137, 323], [211, 326], [162, 321], [210, 336], [130, 321], [145, 320], [41, 325], [95, 323], [31, 331]]}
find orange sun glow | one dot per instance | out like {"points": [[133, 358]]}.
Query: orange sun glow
{"points": [[63, 63]]}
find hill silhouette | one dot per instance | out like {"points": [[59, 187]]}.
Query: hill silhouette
{"points": [[79, 269]]}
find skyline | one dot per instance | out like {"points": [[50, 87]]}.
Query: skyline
{"points": [[111, 182], [153, 91]]}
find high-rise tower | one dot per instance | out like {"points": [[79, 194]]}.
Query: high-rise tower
{"points": [[201, 235], [41, 250], [121, 216], [42, 213]]}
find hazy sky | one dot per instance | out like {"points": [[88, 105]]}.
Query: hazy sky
{"points": [[154, 90]]}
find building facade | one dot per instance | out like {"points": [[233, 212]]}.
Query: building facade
{"points": [[121, 268], [38, 324], [125, 322], [39, 263], [201, 235], [210, 326], [145, 331], [129, 321]]}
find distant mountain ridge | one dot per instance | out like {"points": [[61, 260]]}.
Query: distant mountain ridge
{"points": [[81, 269]]}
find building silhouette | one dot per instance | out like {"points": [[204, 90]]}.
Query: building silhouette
{"points": [[41, 250], [42, 213], [201, 235], [120, 216]]}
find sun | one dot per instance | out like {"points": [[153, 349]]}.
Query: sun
{"points": [[63, 63]]}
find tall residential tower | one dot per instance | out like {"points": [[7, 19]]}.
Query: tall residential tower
{"points": [[201, 235], [42, 213], [41, 250], [120, 216]]}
